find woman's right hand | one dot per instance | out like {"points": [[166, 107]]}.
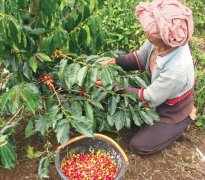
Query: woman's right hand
{"points": [[98, 82], [108, 62]]}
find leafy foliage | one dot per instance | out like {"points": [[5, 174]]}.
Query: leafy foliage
{"points": [[31, 34], [49, 39], [198, 9], [122, 29], [26, 92], [198, 48], [199, 58], [34, 30], [43, 168], [7, 155]]}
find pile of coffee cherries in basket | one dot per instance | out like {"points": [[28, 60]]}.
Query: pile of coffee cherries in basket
{"points": [[90, 166]]}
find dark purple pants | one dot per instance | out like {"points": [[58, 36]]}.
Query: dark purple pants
{"points": [[153, 138]]}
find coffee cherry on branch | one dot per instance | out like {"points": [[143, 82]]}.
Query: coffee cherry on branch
{"points": [[90, 166], [83, 92], [48, 80], [57, 54]]}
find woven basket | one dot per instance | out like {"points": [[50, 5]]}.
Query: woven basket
{"points": [[82, 144]]}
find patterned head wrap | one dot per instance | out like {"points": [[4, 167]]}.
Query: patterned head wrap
{"points": [[169, 20]]}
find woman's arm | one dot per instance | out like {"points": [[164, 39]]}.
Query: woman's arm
{"points": [[166, 86], [133, 61]]}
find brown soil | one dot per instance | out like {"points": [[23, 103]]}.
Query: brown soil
{"points": [[180, 161]]}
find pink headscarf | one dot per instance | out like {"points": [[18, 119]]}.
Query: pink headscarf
{"points": [[169, 20]]}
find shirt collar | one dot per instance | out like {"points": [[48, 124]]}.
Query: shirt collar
{"points": [[161, 61]]}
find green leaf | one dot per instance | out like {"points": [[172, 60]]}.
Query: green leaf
{"points": [[71, 73], [112, 105], [140, 81], [31, 96], [107, 76], [98, 95], [79, 16], [102, 96], [62, 131], [126, 101], [14, 103], [198, 123], [41, 125], [82, 37], [91, 59], [127, 120], [30, 129], [119, 118], [91, 77], [62, 69], [42, 57], [70, 24], [9, 127], [38, 31], [6, 96], [89, 113], [43, 168], [102, 124], [92, 5], [96, 104], [76, 108], [146, 118], [27, 72], [88, 37], [51, 119], [130, 96], [33, 64], [86, 13], [82, 125], [146, 77], [135, 116], [73, 43], [81, 75], [8, 156], [152, 114], [31, 154], [3, 140], [110, 120], [94, 26]]}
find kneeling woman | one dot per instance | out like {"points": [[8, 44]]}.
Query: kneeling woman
{"points": [[168, 26]]}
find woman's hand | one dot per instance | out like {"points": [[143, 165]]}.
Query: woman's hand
{"points": [[108, 62], [98, 82]]}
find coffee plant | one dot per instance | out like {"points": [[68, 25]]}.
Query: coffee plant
{"points": [[199, 58], [47, 79], [49, 62], [122, 29]]}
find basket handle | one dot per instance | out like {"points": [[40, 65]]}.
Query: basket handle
{"points": [[101, 136]]}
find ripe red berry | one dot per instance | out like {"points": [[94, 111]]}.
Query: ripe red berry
{"points": [[48, 80], [83, 92], [50, 87], [90, 166]]}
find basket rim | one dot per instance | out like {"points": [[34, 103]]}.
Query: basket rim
{"points": [[100, 136]]}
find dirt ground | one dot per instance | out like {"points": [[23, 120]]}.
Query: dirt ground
{"points": [[181, 161]]}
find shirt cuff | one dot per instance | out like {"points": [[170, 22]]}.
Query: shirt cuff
{"points": [[141, 96]]}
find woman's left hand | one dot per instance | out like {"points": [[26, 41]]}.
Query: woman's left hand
{"points": [[98, 82]]}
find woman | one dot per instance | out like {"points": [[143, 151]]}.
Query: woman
{"points": [[168, 26]]}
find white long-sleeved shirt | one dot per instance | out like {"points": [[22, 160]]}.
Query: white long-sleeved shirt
{"points": [[172, 77]]}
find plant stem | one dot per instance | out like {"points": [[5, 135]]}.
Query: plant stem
{"points": [[79, 62], [60, 104], [15, 115]]}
